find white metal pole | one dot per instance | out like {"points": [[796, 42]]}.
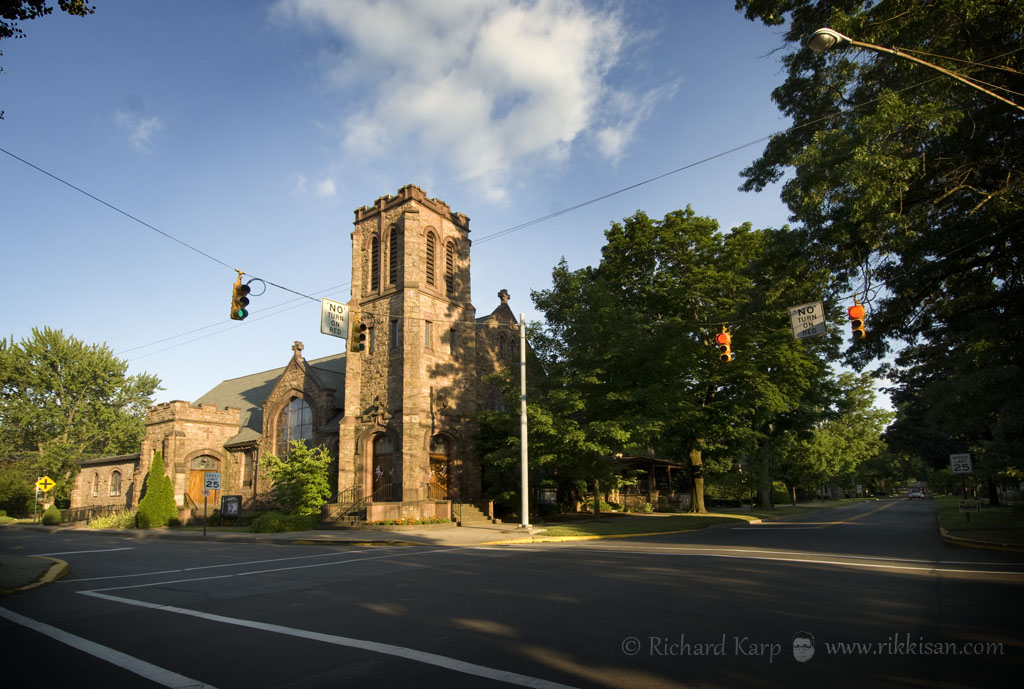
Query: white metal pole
{"points": [[525, 501]]}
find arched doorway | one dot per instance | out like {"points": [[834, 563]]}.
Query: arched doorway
{"points": [[387, 469], [440, 466], [197, 479]]}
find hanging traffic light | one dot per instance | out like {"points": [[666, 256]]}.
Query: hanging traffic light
{"points": [[857, 314], [357, 341], [724, 342], [239, 300]]}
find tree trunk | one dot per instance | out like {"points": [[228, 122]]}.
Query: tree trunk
{"points": [[597, 498], [765, 475], [792, 494], [993, 494], [696, 480]]}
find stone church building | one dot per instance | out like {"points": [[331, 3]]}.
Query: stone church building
{"points": [[398, 417]]}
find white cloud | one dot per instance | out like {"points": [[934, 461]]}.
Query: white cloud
{"points": [[139, 129], [488, 86], [325, 189]]}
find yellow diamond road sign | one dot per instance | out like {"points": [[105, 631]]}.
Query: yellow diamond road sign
{"points": [[45, 484]]}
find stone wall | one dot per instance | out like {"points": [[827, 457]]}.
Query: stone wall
{"points": [[183, 432], [95, 477]]}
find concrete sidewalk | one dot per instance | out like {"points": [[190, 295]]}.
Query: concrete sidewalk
{"points": [[22, 572]]}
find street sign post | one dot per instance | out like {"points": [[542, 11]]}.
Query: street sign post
{"points": [[334, 318], [961, 464], [44, 484], [211, 481], [808, 320]]}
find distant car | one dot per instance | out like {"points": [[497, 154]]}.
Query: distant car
{"points": [[916, 493]]}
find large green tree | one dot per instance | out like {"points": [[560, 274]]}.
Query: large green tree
{"points": [[909, 187], [12, 12], [62, 401], [630, 343]]}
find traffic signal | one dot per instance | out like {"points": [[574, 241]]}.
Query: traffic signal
{"points": [[724, 342], [239, 300], [857, 314], [357, 339]]}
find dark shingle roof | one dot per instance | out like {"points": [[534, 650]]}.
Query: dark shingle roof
{"points": [[249, 392]]}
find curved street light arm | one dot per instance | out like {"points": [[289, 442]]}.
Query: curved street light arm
{"points": [[825, 39]]}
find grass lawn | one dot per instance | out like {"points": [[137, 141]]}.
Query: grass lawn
{"points": [[995, 524], [616, 524]]}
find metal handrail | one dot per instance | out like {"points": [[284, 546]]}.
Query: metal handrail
{"points": [[435, 491], [385, 493]]}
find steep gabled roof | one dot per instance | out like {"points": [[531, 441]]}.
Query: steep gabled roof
{"points": [[249, 392]]}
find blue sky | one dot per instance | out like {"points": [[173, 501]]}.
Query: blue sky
{"points": [[252, 130]]}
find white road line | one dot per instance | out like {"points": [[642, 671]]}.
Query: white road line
{"points": [[76, 552], [372, 646], [402, 553], [796, 558], [194, 569], [778, 528], [131, 663], [697, 550]]}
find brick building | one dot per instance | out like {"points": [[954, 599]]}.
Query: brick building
{"points": [[398, 417]]}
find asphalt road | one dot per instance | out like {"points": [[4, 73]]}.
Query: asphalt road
{"points": [[887, 604]]}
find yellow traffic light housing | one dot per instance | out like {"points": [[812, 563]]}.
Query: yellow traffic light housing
{"points": [[857, 319], [239, 300], [357, 338], [724, 342]]}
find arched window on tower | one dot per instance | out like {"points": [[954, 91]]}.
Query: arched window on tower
{"points": [[294, 422], [393, 256], [449, 268], [375, 264], [431, 256]]}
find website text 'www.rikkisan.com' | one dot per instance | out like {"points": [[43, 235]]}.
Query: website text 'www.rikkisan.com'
{"points": [[803, 647]]}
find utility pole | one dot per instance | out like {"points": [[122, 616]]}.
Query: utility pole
{"points": [[524, 508]]}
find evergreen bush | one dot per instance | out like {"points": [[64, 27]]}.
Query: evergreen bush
{"points": [[51, 517], [157, 506]]}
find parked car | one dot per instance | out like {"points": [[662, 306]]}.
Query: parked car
{"points": [[916, 492]]}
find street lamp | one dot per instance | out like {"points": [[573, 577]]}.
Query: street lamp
{"points": [[826, 39]]}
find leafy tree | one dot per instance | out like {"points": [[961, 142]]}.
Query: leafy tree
{"points": [[630, 343], [13, 11], [62, 401], [300, 483], [910, 189], [157, 506]]}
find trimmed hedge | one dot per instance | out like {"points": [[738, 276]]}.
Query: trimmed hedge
{"points": [[51, 517], [275, 522]]}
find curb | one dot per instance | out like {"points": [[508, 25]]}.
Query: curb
{"points": [[980, 545], [57, 570], [596, 537]]}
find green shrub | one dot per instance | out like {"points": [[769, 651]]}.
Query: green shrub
{"points": [[157, 506], [119, 520], [301, 484], [276, 522], [3, 513], [51, 517]]}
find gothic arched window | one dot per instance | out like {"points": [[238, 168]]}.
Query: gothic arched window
{"points": [[294, 422], [115, 484], [449, 267], [95, 484], [431, 253], [375, 264], [393, 256]]}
